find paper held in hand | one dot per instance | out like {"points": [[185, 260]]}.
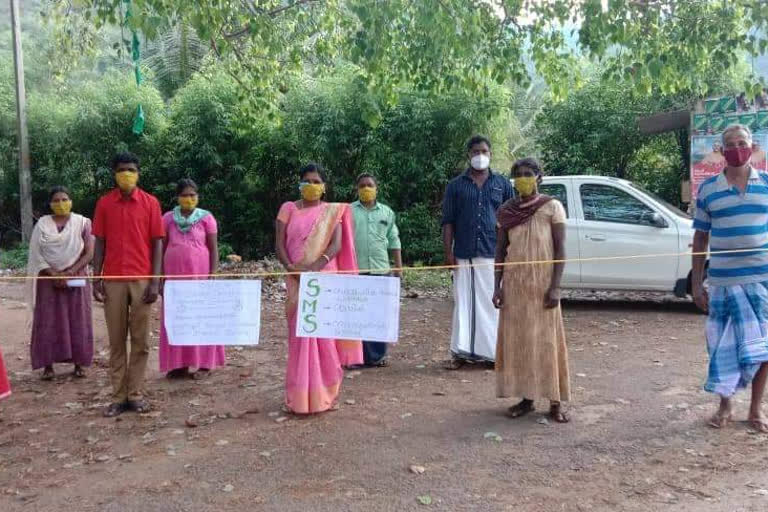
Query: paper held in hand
{"points": [[201, 312], [348, 307]]}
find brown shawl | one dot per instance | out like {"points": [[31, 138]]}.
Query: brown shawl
{"points": [[516, 212]]}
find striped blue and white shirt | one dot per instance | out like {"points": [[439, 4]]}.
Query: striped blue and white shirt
{"points": [[735, 221]]}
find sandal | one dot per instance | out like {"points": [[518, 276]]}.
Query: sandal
{"points": [[521, 409], [378, 364], [115, 409], [759, 424], [47, 373], [140, 406], [455, 363], [178, 373], [720, 420], [79, 372], [557, 415], [201, 373]]}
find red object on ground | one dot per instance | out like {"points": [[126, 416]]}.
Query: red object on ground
{"points": [[5, 385]]}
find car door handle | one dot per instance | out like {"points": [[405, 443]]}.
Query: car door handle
{"points": [[597, 238]]}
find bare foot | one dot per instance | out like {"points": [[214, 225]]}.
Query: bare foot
{"points": [[723, 415]]}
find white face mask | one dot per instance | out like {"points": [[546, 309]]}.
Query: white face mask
{"points": [[480, 162]]}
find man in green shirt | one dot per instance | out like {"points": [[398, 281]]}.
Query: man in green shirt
{"points": [[376, 239]]}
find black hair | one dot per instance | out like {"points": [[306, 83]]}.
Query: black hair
{"points": [[366, 175], [312, 167], [185, 183], [57, 189], [126, 157], [478, 139], [530, 163]]}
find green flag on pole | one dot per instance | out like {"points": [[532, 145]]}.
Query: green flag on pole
{"points": [[138, 118]]}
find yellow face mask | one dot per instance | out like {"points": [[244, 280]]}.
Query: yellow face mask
{"points": [[188, 203], [526, 185], [61, 207], [367, 194], [126, 180], [312, 191]]}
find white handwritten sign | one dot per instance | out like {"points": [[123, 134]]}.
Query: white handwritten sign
{"points": [[212, 312], [349, 307]]}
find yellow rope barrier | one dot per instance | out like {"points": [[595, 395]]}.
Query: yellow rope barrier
{"points": [[423, 268]]}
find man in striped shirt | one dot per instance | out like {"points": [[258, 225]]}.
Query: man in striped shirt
{"points": [[732, 219]]}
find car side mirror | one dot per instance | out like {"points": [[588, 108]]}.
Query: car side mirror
{"points": [[658, 221]]}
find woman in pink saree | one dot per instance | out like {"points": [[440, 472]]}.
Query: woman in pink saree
{"points": [[314, 236]]}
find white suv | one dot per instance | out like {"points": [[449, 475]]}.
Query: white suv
{"points": [[609, 217]]}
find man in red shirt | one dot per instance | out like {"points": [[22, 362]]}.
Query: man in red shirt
{"points": [[129, 248]]}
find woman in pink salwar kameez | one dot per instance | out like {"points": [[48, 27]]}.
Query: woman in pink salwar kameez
{"points": [[190, 249], [314, 236]]}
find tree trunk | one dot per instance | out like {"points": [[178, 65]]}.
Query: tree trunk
{"points": [[25, 177]]}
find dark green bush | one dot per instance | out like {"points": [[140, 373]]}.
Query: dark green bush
{"points": [[246, 170]]}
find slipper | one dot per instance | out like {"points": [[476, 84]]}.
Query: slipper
{"points": [[759, 424], [557, 415], [178, 373], [115, 409], [140, 406], [455, 364], [521, 409], [201, 374], [719, 421]]}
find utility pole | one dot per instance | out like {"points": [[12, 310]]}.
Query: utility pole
{"points": [[25, 177]]}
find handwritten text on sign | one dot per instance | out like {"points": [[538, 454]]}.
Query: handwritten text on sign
{"points": [[212, 312], [349, 307]]}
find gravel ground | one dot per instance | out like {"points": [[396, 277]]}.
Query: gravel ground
{"points": [[409, 437]]}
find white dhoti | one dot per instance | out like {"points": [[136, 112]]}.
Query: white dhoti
{"points": [[475, 320]]}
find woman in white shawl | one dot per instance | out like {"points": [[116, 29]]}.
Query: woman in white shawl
{"points": [[61, 247]]}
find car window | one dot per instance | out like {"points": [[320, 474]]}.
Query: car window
{"points": [[674, 209], [605, 203], [558, 192]]}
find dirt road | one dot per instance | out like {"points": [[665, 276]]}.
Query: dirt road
{"points": [[637, 441]]}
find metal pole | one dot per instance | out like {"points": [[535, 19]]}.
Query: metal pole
{"points": [[25, 177]]}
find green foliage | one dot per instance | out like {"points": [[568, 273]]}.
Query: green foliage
{"points": [[174, 57], [431, 280], [658, 167], [14, 258], [246, 169], [439, 46], [594, 131], [225, 250], [206, 143], [414, 149], [72, 137]]}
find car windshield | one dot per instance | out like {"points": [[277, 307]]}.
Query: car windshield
{"points": [[674, 209]]}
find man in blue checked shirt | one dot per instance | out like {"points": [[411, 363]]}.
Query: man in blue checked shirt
{"points": [[732, 219], [469, 241]]}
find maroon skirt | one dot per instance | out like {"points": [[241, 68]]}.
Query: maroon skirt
{"points": [[62, 331]]}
